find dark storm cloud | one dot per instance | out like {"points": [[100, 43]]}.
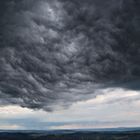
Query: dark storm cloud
{"points": [[54, 53]]}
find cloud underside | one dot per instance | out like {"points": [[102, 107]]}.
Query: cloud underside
{"points": [[54, 53]]}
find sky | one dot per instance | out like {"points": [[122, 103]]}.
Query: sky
{"points": [[115, 108], [69, 64]]}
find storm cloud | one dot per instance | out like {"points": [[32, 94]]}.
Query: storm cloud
{"points": [[56, 52]]}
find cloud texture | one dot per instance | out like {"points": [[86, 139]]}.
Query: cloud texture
{"points": [[56, 52]]}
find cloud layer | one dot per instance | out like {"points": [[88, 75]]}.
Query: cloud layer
{"points": [[54, 53]]}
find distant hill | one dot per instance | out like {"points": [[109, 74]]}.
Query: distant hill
{"points": [[91, 134]]}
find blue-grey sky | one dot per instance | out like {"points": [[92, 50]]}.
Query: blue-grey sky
{"points": [[115, 108], [69, 64]]}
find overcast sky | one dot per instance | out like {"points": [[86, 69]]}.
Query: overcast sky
{"points": [[116, 108], [67, 64]]}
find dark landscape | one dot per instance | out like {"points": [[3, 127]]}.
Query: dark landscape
{"points": [[103, 134]]}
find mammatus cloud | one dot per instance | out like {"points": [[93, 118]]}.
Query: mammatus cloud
{"points": [[54, 53]]}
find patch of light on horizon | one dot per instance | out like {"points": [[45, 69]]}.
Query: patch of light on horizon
{"points": [[113, 104]]}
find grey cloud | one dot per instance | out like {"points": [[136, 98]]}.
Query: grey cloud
{"points": [[54, 53]]}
